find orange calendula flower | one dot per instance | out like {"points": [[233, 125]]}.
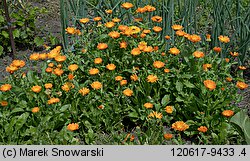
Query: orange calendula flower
{"points": [[177, 27], [36, 89], [174, 51], [123, 45], [59, 66], [227, 113], [194, 38], [114, 34], [155, 114], [166, 70], [101, 107], [67, 86], [43, 56], [140, 10], [148, 49], [84, 20], [224, 39], [167, 37], [128, 92], [158, 64], [180, 126], [168, 136], [97, 19], [111, 66], [156, 18], [35, 110], [93, 71], [102, 46], [208, 37], [138, 19], [242, 67], [118, 78], [198, 54], [217, 49], [11, 69], [35, 56], [18, 63], [202, 129], [58, 71], [96, 85], [49, 70], [5, 87], [123, 82], [157, 29], [152, 78], [127, 5], [134, 29], [180, 33], [149, 8], [84, 91], [83, 50], [70, 30], [136, 51], [116, 19], [108, 11], [71, 76], [109, 24], [146, 31], [142, 35], [98, 60], [206, 66], [169, 109], [227, 60], [73, 127], [73, 67], [51, 65], [211, 85], [241, 85], [134, 77], [122, 27], [229, 79], [48, 85], [148, 105], [234, 54], [60, 58], [4, 103], [142, 45]]}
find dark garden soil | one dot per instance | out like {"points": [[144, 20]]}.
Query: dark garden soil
{"points": [[50, 23]]}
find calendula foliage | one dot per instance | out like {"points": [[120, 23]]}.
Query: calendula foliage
{"points": [[121, 83]]}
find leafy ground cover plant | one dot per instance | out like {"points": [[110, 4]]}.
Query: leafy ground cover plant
{"points": [[122, 84], [23, 22]]}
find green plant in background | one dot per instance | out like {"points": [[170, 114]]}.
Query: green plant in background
{"points": [[224, 17], [122, 83], [23, 17]]}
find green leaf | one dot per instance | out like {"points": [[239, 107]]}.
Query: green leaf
{"points": [[188, 84], [5, 34], [1, 50], [165, 100], [179, 86], [179, 99], [65, 107], [17, 110], [1, 19], [133, 114], [242, 120], [16, 33], [21, 121], [38, 41]]}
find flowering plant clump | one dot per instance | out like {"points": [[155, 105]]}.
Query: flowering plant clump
{"points": [[121, 79]]}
